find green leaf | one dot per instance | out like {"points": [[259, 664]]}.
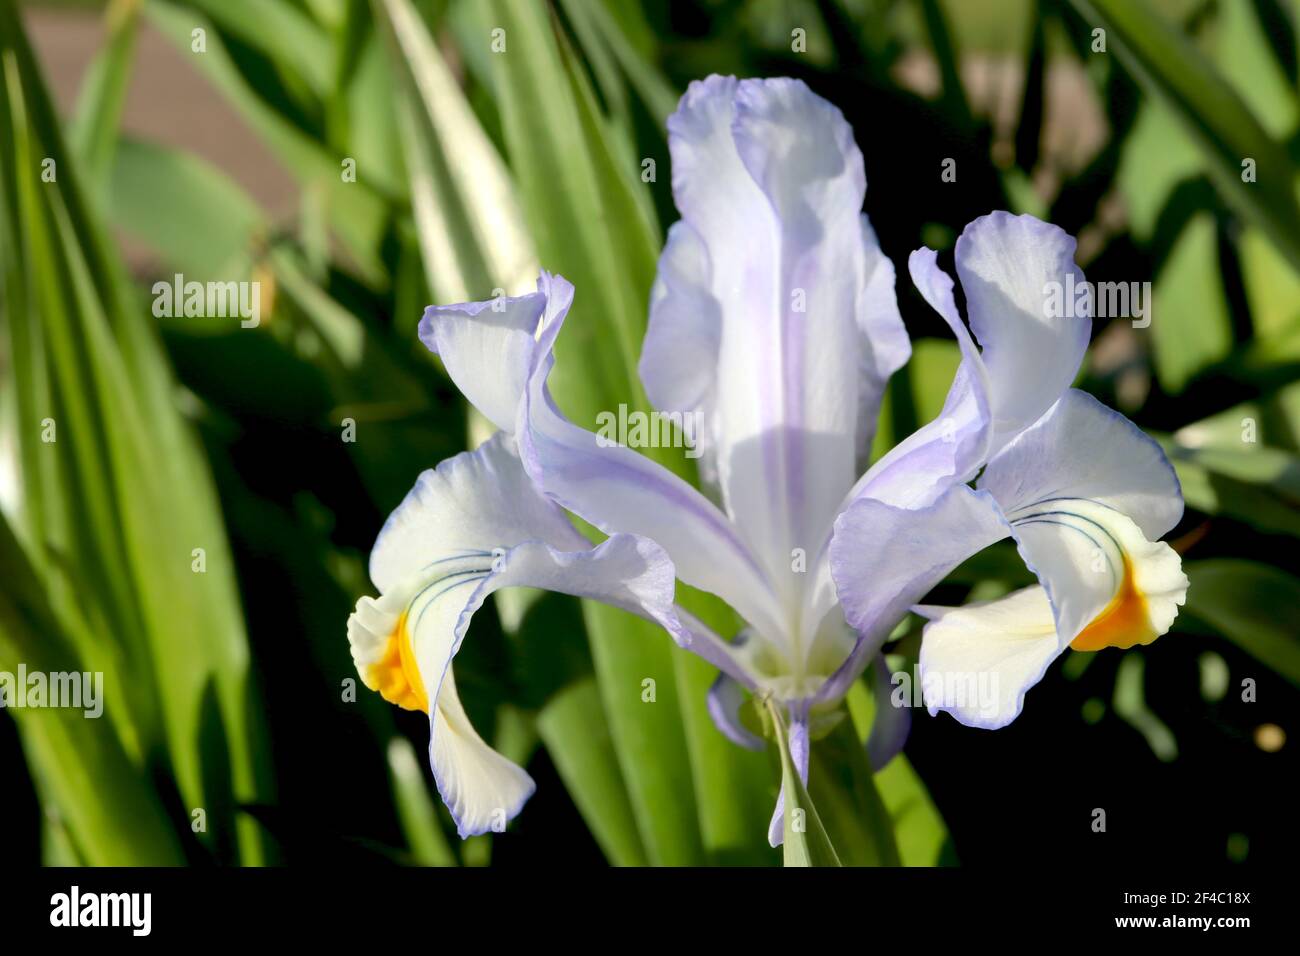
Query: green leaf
{"points": [[471, 230], [588, 215], [922, 835], [134, 499], [68, 754], [841, 782], [931, 369], [1272, 285], [322, 361], [94, 132], [1216, 494], [1155, 158], [1243, 54], [415, 809], [647, 730], [581, 206], [734, 790], [372, 133], [613, 30], [1170, 67], [472, 241], [1251, 483], [358, 213], [1130, 705], [1252, 605], [1160, 176], [945, 52], [804, 841], [212, 225], [296, 44], [1193, 329], [919, 830], [1270, 421], [551, 667], [573, 728]]}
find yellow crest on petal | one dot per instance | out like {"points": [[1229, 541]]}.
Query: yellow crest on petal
{"points": [[385, 655], [1124, 622], [395, 674]]}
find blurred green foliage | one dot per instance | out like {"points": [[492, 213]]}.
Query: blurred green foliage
{"points": [[227, 687]]}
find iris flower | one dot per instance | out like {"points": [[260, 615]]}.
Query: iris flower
{"points": [[773, 318]]}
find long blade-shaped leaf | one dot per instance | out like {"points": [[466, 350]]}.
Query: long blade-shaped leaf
{"points": [[357, 211], [1166, 63], [135, 492], [1252, 605], [589, 226], [573, 728], [471, 231], [94, 131], [72, 755], [804, 839], [855, 817]]}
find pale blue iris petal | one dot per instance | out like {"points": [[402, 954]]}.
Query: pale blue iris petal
{"points": [[953, 446], [891, 725], [773, 314], [1016, 272], [799, 752], [487, 349], [620, 490], [726, 696], [884, 559], [1088, 495]]}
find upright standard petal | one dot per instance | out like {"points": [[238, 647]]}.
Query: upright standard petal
{"points": [[487, 349], [951, 448], [1020, 280], [1030, 311], [679, 357], [887, 347], [474, 525], [778, 288]]}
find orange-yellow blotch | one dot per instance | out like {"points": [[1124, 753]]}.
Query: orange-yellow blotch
{"points": [[1123, 623], [395, 675]]}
